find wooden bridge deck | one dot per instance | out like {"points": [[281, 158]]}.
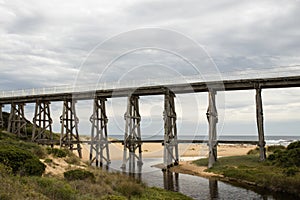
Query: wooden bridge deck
{"points": [[226, 85]]}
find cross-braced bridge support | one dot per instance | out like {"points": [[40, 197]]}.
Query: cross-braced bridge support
{"points": [[132, 137], [212, 117], [99, 140], [1, 117], [170, 135], [17, 121], [69, 127], [260, 124], [42, 122]]}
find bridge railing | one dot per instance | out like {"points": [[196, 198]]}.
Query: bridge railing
{"points": [[233, 75]]}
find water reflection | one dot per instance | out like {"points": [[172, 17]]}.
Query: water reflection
{"points": [[193, 186], [171, 181], [137, 174], [213, 188]]}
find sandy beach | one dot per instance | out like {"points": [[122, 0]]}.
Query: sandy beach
{"points": [[186, 151]]}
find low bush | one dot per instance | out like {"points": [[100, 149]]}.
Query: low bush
{"points": [[129, 189], [79, 174], [290, 171], [73, 160], [60, 153], [294, 145], [274, 148], [53, 188], [21, 161], [288, 157]]}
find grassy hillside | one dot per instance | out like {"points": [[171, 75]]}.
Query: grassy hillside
{"points": [[281, 171], [78, 182]]}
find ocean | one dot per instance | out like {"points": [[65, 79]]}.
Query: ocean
{"points": [[270, 139]]}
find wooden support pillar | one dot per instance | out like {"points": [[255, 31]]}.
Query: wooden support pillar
{"points": [[212, 117], [132, 137], [69, 127], [260, 125], [171, 156], [99, 140], [17, 122], [1, 117], [42, 122]]}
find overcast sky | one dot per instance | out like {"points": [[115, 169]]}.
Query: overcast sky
{"points": [[51, 43]]}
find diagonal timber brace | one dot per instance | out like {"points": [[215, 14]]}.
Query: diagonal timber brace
{"points": [[99, 140], [17, 121], [212, 117], [42, 122], [132, 137], [170, 135], [69, 127]]}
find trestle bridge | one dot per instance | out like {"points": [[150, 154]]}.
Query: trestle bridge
{"points": [[132, 143]]}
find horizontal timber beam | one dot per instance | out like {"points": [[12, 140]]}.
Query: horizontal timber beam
{"points": [[56, 142], [226, 85]]}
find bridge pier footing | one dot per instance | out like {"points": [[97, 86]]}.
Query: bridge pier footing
{"points": [[17, 122], [260, 125], [42, 122], [69, 127], [171, 156], [1, 117], [99, 142], [212, 117], [132, 137]]}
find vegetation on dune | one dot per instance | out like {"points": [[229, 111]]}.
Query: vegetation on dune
{"points": [[21, 170], [20, 157], [280, 172]]}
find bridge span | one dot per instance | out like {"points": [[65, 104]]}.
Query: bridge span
{"points": [[132, 143]]}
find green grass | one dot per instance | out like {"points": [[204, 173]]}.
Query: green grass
{"points": [[102, 185], [249, 168], [105, 186]]}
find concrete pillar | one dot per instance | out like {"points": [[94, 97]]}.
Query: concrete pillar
{"points": [[99, 140], [212, 117], [42, 122], [171, 156], [132, 136], [17, 122], [260, 125], [69, 136]]}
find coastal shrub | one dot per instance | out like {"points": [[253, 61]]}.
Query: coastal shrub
{"points": [[53, 188], [73, 160], [114, 197], [32, 147], [79, 174], [129, 189], [290, 171], [8, 140], [294, 145], [288, 157], [21, 161], [60, 153], [274, 148]]}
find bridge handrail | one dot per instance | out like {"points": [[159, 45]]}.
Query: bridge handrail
{"points": [[148, 82]]}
